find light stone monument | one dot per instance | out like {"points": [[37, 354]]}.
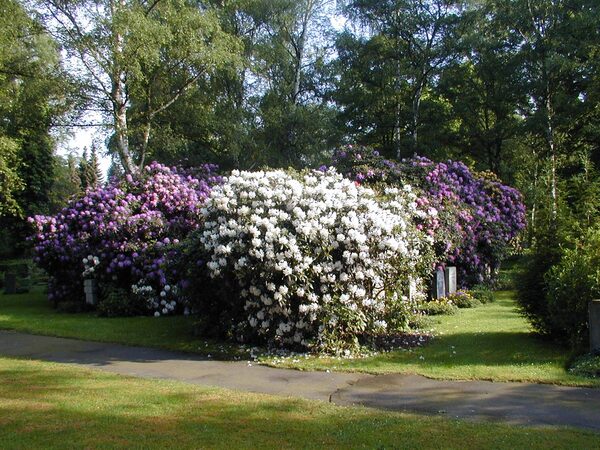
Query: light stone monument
{"points": [[412, 288], [450, 279], [439, 284], [91, 291]]}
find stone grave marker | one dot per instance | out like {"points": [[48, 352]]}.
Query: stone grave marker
{"points": [[594, 317], [412, 288], [91, 291], [439, 284], [10, 283], [450, 279]]}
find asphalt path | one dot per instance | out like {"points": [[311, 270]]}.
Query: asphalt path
{"points": [[515, 403]]}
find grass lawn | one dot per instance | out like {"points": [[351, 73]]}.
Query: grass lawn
{"points": [[32, 313], [491, 342], [46, 405]]}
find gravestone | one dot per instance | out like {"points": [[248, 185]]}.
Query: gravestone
{"points": [[594, 317], [91, 291], [412, 289], [439, 284], [10, 283], [450, 279]]}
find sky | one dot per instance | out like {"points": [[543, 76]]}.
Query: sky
{"points": [[84, 138]]}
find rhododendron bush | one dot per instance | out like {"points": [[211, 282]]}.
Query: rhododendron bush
{"points": [[122, 234], [477, 218], [311, 261], [318, 260]]}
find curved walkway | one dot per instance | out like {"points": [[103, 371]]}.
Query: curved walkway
{"points": [[517, 403]]}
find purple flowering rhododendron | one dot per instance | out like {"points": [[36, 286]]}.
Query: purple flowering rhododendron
{"points": [[123, 233], [477, 216]]}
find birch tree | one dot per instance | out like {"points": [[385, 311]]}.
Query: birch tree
{"points": [[136, 53]]}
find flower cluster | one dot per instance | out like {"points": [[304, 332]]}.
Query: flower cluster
{"points": [[477, 216], [123, 233], [364, 164], [308, 260]]}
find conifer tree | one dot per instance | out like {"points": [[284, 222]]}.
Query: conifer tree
{"points": [[95, 173]]}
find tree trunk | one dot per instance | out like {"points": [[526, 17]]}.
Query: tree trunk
{"points": [[416, 106], [145, 140], [300, 50], [119, 97], [121, 131], [552, 146], [397, 135], [497, 158], [532, 225]]}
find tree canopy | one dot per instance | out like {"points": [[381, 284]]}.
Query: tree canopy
{"points": [[509, 86]]}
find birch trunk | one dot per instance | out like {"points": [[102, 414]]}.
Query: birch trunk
{"points": [[552, 146], [397, 134], [300, 48], [416, 106], [119, 95]]}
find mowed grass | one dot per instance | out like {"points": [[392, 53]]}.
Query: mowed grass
{"points": [[32, 313], [46, 405], [491, 342]]}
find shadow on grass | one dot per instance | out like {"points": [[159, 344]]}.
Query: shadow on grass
{"points": [[34, 314], [54, 407]]}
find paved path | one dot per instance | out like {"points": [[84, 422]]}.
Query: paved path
{"points": [[517, 403]]}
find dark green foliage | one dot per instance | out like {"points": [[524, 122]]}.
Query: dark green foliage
{"points": [[556, 285], [437, 307], [72, 307], [33, 96], [463, 299], [586, 366], [85, 180], [66, 183], [90, 175], [387, 77], [482, 293], [571, 285], [216, 303], [219, 310], [21, 270], [96, 176], [531, 288], [10, 182], [117, 302]]}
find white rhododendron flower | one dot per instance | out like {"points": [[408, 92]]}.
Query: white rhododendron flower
{"points": [[303, 250]]}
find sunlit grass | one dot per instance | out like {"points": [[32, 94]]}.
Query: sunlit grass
{"points": [[46, 405], [491, 342], [32, 313]]}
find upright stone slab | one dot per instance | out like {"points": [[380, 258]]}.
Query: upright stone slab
{"points": [[439, 284], [91, 292], [10, 283], [594, 317], [412, 289], [450, 279]]}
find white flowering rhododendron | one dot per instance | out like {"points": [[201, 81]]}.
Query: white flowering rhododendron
{"points": [[310, 261]]}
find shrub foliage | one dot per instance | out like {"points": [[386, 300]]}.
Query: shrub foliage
{"points": [[476, 219], [122, 233], [312, 261]]}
